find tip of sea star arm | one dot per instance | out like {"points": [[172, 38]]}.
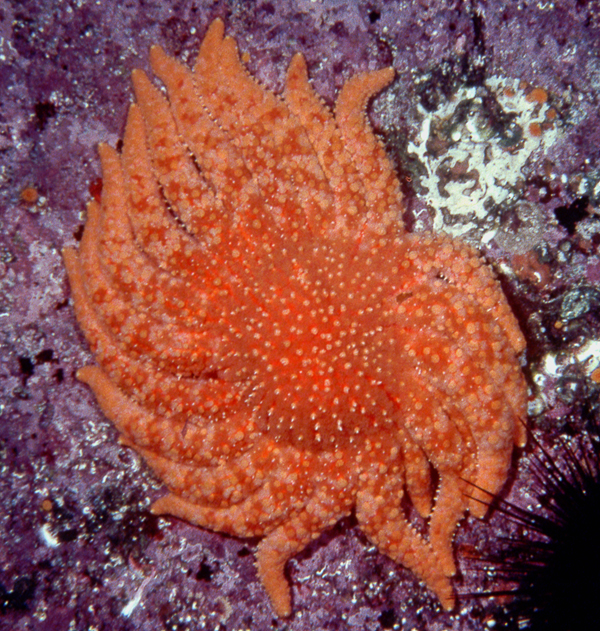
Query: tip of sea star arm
{"points": [[135, 134], [150, 102], [107, 224], [176, 77], [270, 560], [176, 506], [297, 72], [91, 231], [113, 187], [232, 96], [136, 165], [140, 81], [158, 56], [103, 388], [353, 98], [215, 31], [170, 504], [87, 374], [79, 263], [211, 42], [153, 107], [106, 152], [72, 265], [306, 105]]}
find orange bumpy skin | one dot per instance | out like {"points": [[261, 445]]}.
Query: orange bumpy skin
{"points": [[268, 337]]}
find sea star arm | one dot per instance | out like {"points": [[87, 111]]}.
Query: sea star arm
{"points": [[140, 333], [267, 483], [367, 151], [380, 517], [156, 231], [273, 553], [348, 188], [176, 439], [187, 192], [253, 516]]}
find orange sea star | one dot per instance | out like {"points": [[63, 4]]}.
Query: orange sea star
{"points": [[272, 342]]}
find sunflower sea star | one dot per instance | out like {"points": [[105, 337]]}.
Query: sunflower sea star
{"points": [[271, 341]]}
